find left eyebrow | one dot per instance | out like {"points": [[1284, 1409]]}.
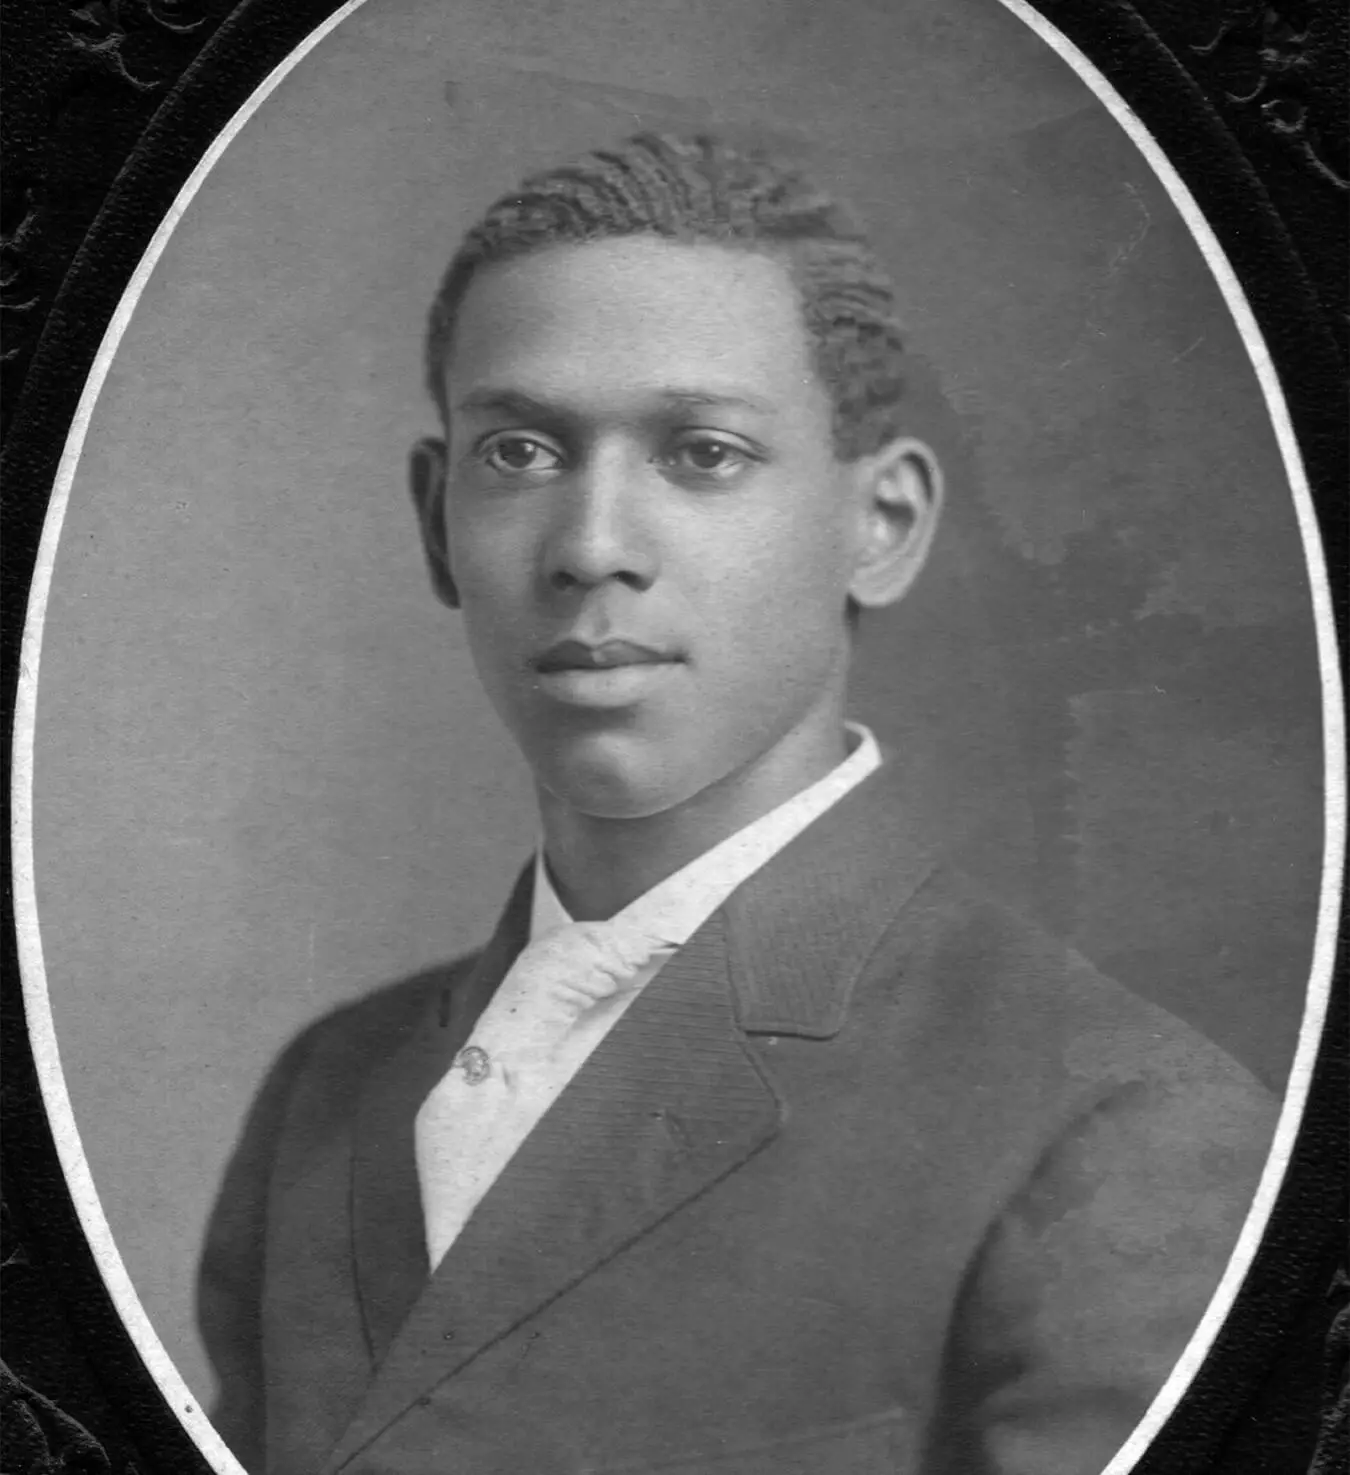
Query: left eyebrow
{"points": [[701, 399]]}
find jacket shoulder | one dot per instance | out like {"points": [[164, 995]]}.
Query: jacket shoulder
{"points": [[984, 970]]}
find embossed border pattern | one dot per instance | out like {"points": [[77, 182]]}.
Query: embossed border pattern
{"points": [[109, 104]]}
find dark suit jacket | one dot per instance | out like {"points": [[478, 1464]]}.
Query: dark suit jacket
{"points": [[873, 1177]]}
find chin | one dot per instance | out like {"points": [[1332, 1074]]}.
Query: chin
{"points": [[613, 776]]}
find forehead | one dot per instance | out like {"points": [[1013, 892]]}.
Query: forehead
{"points": [[610, 320]]}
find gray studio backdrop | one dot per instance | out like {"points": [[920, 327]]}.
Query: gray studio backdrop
{"points": [[265, 779]]}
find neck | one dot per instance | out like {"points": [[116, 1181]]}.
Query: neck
{"points": [[599, 865]]}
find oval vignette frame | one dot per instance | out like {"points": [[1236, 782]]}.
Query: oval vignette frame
{"points": [[204, 113]]}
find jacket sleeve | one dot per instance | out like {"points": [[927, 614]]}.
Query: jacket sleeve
{"points": [[230, 1273], [1093, 1278]]}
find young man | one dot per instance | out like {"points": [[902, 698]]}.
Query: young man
{"points": [[756, 1139]]}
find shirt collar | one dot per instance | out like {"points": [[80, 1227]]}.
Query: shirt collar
{"points": [[677, 907]]}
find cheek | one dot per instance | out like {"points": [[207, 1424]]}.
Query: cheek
{"points": [[779, 596], [490, 564], [797, 553]]}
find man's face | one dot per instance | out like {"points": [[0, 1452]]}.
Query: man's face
{"points": [[651, 538]]}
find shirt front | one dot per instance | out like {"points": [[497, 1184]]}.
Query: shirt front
{"points": [[673, 910]]}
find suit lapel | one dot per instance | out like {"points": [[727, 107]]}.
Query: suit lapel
{"points": [[670, 1102], [387, 1226]]}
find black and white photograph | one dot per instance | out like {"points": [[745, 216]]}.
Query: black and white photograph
{"points": [[679, 766]]}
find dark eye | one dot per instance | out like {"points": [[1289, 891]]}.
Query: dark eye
{"points": [[707, 455], [515, 454]]}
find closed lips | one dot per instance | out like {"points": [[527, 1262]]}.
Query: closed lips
{"points": [[575, 655]]}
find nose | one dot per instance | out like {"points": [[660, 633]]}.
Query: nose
{"points": [[599, 532]]}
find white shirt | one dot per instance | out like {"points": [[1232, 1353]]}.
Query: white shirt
{"points": [[672, 910]]}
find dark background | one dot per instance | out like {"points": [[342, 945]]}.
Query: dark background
{"points": [[1145, 696]]}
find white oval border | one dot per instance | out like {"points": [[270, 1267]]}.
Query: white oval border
{"points": [[33, 972]]}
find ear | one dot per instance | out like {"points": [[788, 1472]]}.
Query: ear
{"points": [[426, 481], [898, 494]]}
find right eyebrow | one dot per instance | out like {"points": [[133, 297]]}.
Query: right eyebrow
{"points": [[508, 402]]}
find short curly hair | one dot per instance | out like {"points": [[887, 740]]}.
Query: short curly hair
{"points": [[700, 189]]}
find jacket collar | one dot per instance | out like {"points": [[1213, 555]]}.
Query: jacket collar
{"points": [[801, 930]]}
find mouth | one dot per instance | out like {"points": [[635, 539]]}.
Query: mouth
{"points": [[608, 655], [612, 675]]}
